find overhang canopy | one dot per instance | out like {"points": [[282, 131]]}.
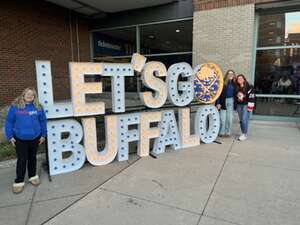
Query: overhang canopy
{"points": [[94, 7]]}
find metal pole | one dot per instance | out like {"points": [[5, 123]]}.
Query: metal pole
{"points": [[138, 50], [46, 164]]}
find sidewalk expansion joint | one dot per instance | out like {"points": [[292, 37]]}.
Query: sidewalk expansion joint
{"points": [[61, 197], [91, 191], [31, 202], [14, 205], [219, 219]]}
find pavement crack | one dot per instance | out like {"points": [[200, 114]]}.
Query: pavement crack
{"points": [[61, 197], [14, 205], [159, 184], [150, 201], [219, 219], [217, 179], [32, 200]]}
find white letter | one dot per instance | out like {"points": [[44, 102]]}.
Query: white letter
{"points": [[151, 81], [207, 115], [79, 88], [146, 133], [45, 90], [109, 153], [125, 135], [117, 72], [58, 145], [169, 134], [187, 140], [186, 87]]}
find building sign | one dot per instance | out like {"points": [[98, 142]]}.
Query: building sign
{"points": [[72, 125], [109, 46]]}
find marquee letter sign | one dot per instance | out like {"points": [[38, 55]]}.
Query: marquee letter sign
{"points": [[72, 130]]}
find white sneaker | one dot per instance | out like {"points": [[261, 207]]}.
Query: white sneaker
{"points": [[242, 137], [18, 187], [35, 181]]}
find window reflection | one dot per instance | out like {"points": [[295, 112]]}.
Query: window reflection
{"points": [[169, 60], [167, 37], [278, 71], [169, 42], [119, 42], [279, 29], [130, 82]]}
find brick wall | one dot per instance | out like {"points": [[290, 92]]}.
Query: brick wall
{"points": [[225, 36], [34, 29], [213, 4]]}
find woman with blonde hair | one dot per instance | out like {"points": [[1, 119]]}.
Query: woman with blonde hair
{"points": [[26, 128], [225, 104]]}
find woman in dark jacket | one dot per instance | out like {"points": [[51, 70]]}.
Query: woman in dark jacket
{"points": [[225, 104], [245, 101]]}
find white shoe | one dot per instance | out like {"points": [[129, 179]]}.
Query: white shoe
{"points": [[242, 137], [18, 187], [35, 181]]}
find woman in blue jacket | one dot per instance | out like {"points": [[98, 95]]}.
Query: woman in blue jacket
{"points": [[26, 128], [225, 104]]}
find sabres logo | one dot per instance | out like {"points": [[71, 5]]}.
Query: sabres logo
{"points": [[208, 83]]}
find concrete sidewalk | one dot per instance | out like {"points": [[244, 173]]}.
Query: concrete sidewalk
{"points": [[251, 182]]}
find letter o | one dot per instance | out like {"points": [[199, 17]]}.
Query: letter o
{"points": [[207, 123]]}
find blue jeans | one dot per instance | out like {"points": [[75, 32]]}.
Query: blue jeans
{"points": [[244, 117], [226, 117]]}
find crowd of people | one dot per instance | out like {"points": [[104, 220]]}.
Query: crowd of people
{"points": [[286, 82]]}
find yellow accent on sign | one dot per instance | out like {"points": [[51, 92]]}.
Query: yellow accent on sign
{"points": [[208, 83]]}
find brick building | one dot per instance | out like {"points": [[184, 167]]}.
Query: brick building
{"points": [[249, 36]]}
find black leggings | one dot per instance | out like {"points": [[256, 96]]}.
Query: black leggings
{"points": [[26, 154]]}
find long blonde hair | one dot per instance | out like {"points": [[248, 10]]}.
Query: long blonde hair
{"points": [[19, 102], [226, 77]]}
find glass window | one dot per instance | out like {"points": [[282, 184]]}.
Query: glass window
{"points": [[130, 82], [167, 37], [168, 60], [163, 40], [119, 42], [279, 29], [278, 106], [278, 71]]}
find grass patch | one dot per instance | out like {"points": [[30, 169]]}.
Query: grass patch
{"points": [[7, 151]]}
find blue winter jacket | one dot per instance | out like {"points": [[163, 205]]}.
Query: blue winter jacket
{"points": [[25, 124]]}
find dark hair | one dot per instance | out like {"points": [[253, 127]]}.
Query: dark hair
{"points": [[246, 84]]}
